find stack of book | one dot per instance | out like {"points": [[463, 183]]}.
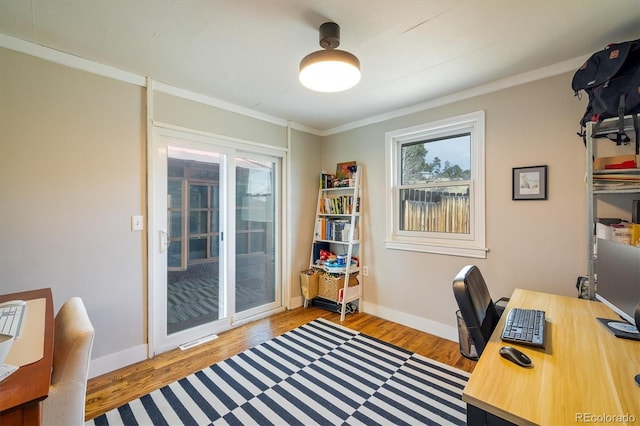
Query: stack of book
{"points": [[334, 229], [326, 180], [337, 205]]}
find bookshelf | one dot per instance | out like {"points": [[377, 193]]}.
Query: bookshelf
{"points": [[335, 251]]}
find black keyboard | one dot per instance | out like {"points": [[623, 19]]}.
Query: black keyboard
{"points": [[524, 326]]}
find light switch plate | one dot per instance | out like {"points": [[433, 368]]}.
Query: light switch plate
{"points": [[137, 223]]}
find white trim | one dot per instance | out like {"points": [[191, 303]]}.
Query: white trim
{"points": [[419, 323], [296, 302], [114, 361], [207, 100], [475, 245], [72, 61], [477, 252], [494, 86], [164, 134], [306, 129], [150, 220], [93, 67], [286, 233], [246, 320], [227, 141]]}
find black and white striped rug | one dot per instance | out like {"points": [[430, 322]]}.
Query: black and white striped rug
{"points": [[320, 373]]}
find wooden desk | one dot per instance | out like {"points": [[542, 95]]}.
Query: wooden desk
{"points": [[21, 393], [583, 374]]}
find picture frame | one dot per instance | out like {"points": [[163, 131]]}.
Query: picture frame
{"points": [[342, 170], [529, 183]]}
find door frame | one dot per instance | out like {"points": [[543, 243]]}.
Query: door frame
{"points": [[233, 148]]}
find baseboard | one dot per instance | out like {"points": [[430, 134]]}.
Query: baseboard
{"points": [[296, 302], [419, 323], [118, 360], [423, 324], [130, 356]]}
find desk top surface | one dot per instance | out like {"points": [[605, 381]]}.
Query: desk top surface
{"points": [[583, 373], [30, 382]]}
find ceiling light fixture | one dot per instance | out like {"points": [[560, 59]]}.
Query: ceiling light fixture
{"points": [[329, 70]]}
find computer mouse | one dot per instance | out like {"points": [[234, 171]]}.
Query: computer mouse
{"points": [[637, 379], [515, 356]]}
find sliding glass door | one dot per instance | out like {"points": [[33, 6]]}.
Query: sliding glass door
{"points": [[213, 237]]}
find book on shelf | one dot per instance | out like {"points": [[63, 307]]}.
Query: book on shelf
{"points": [[339, 229], [318, 247], [342, 204], [326, 180], [334, 229]]}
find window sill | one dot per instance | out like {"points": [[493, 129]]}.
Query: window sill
{"points": [[449, 250]]}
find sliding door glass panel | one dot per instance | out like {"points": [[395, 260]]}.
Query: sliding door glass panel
{"points": [[193, 267], [255, 234]]}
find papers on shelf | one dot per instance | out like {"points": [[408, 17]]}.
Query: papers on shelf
{"points": [[616, 179]]}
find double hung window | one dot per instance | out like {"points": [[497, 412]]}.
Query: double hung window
{"points": [[435, 185]]}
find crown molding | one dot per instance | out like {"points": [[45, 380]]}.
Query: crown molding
{"points": [[68, 60], [494, 86], [217, 103], [77, 62]]}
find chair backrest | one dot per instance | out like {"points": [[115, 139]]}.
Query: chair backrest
{"points": [[73, 340], [476, 306]]}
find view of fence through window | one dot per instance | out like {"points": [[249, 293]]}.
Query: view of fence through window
{"points": [[436, 185]]}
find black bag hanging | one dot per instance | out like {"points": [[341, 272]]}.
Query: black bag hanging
{"points": [[611, 79], [605, 64]]}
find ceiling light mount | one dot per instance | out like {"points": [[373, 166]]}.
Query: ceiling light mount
{"points": [[329, 70], [329, 35]]}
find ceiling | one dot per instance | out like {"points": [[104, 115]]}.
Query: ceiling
{"points": [[247, 52]]}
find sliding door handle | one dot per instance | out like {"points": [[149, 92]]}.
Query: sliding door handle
{"points": [[164, 241]]}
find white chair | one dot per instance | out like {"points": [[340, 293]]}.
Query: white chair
{"points": [[72, 343]]}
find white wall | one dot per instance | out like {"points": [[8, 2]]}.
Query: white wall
{"points": [[537, 245]]}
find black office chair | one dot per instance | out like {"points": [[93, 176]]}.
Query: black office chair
{"points": [[477, 309]]}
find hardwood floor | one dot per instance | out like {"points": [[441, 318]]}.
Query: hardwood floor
{"points": [[116, 388]]}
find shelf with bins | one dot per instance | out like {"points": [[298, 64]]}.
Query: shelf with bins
{"points": [[337, 231]]}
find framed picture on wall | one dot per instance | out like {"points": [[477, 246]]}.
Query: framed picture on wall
{"points": [[529, 183]]}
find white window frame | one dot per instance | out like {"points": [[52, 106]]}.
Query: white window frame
{"points": [[467, 245]]}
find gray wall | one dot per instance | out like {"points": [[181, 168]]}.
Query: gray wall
{"points": [[306, 156], [193, 115], [537, 245], [73, 171]]}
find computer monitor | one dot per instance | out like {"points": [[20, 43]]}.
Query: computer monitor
{"points": [[618, 270]]}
